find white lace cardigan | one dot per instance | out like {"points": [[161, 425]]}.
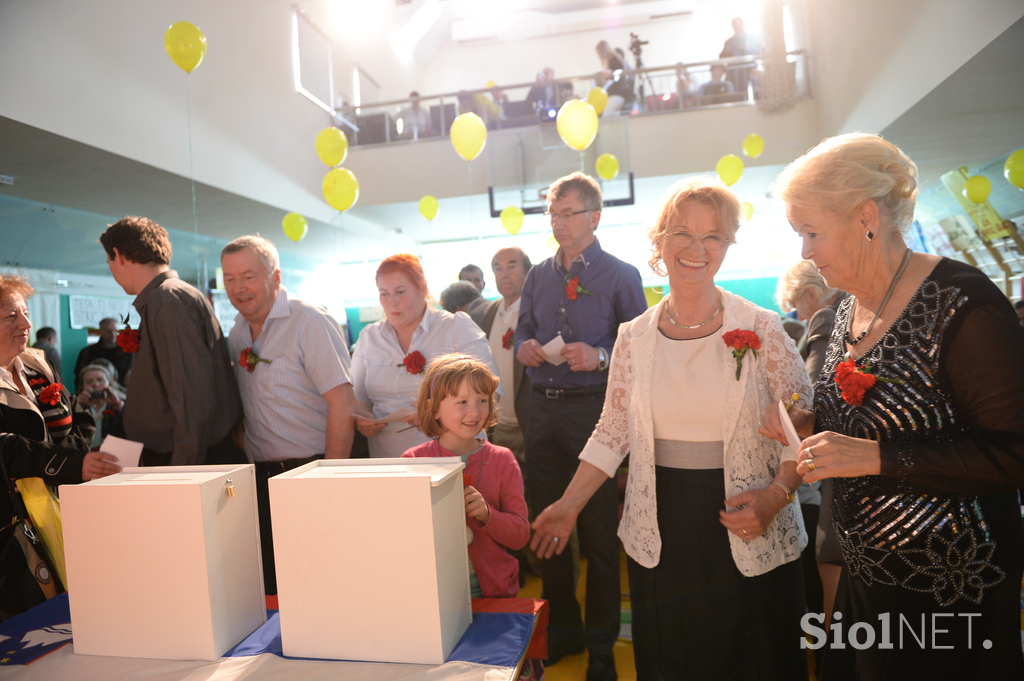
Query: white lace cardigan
{"points": [[751, 461]]}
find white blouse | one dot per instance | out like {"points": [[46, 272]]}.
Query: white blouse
{"points": [[680, 412]]}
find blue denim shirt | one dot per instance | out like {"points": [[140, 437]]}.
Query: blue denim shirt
{"points": [[615, 296]]}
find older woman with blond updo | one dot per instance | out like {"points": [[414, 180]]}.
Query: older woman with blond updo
{"points": [[919, 422]]}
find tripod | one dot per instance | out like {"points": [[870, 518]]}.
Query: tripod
{"points": [[636, 47]]}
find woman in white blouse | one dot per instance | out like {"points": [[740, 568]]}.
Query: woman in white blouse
{"points": [[710, 525], [391, 355]]}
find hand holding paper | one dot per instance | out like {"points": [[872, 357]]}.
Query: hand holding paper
{"points": [[553, 350], [126, 451], [790, 451]]}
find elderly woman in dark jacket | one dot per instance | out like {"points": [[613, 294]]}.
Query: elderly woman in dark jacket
{"points": [[41, 433]]}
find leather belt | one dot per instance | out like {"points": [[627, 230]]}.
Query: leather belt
{"points": [[557, 394], [278, 467]]}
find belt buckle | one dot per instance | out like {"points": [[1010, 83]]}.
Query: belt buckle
{"points": [[554, 394]]}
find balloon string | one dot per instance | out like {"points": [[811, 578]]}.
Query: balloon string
{"points": [[191, 174], [469, 176], [581, 161]]}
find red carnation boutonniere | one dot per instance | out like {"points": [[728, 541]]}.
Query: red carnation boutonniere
{"points": [[573, 290], [855, 382], [250, 359], [109, 412], [467, 479], [51, 394], [740, 341], [506, 340], [414, 362], [128, 338]]}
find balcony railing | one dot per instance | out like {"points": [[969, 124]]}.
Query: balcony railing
{"points": [[657, 90]]}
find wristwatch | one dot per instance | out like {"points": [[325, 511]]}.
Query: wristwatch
{"points": [[602, 359], [790, 494]]}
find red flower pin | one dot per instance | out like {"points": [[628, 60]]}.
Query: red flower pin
{"points": [[467, 479], [854, 382], [506, 340], [414, 362], [128, 338], [573, 290], [250, 359], [740, 341], [51, 394]]}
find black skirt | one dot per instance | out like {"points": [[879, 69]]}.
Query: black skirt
{"points": [[695, 616]]}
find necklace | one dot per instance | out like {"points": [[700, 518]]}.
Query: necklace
{"points": [[695, 326], [853, 307]]}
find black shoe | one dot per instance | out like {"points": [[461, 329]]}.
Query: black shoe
{"points": [[559, 649], [602, 668]]}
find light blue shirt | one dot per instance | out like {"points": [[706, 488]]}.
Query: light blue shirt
{"points": [[285, 412]]}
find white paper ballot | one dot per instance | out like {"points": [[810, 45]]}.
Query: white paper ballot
{"points": [[395, 416], [790, 452], [126, 451], [553, 349]]}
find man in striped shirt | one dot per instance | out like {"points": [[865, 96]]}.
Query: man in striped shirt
{"points": [[294, 373]]}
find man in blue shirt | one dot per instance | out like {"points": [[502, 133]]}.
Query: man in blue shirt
{"points": [[582, 294]]}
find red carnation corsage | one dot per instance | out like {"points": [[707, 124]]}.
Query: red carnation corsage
{"points": [[51, 394], [414, 362], [506, 340], [128, 338], [573, 290], [250, 359], [740, 341], [854, 382]]}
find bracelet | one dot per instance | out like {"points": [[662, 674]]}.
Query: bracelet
{"points": [[790, 494]]}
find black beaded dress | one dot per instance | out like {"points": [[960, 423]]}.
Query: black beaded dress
{"points": [[933, 547]]}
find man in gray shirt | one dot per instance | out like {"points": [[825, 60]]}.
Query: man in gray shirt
{"points": [[185, 401]]}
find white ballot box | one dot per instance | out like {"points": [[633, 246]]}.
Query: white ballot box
{"points": [[164, 562], [371, 559]]}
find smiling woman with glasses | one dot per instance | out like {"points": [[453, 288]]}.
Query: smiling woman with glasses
{"points": [[686, 408]]}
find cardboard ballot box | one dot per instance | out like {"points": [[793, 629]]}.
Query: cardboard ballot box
{"points": [[164, 562], [371, 559]]}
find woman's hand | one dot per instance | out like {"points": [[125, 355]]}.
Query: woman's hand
{"points": [[552, 529], [831, 455], [112, 400], [413, 420], [771, 425], [367, 427], [760, 506], [476, 506], [95, 465]]}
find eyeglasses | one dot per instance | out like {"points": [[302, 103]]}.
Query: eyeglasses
{"points": [[554, 217], [712, 243]]}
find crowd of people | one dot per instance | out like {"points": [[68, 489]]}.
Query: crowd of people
{"points": [[904, 397]]}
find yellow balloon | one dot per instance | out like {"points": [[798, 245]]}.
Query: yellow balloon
{"points": [[747, 209], [469, 135], [489, 84], [729, 168], [331, 146], [340, 188], [598, 99], [577, 124], [607, 166], [553, 243], [1013, 169], [294, 226], [185, 45], [977, 188], [512, 219], [753, 145], [428, 207]]}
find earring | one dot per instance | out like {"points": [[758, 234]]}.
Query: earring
{"points": [[868, 235]]}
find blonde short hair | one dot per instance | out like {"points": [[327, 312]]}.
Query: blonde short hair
{"points": [[443, 379], [844, 171], [702, 189], [800, 277]]}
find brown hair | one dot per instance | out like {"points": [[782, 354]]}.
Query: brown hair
{"points": [[584, 185], [407, 264], [11, 284], [701, 189], [139, 240], [443, 379]]}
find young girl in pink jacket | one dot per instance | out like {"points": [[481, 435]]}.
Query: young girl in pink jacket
{"points": [[455, 404]]}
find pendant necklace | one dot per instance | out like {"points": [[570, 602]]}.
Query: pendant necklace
{"points": [[695, 326], [853, 308]]}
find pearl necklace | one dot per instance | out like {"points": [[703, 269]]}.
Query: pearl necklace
{"points": [[695, 326]]}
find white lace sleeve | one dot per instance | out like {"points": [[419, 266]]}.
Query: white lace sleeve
{"points": [[787, 373], [609, 443]]}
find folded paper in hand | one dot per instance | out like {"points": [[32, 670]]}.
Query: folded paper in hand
{"points": [[126, 451]]}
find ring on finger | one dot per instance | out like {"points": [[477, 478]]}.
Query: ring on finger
{"points": [[810, 465], [556, 539], [810, 454], [745, 532]]}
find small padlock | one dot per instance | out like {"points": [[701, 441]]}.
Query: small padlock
{"points": [[229, 487]]}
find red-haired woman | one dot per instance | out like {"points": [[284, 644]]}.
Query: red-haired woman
{"points": [[390, 356]]}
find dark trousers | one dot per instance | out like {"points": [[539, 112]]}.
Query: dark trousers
{"points": [[224, 452], [264, 471], [556, 432]]}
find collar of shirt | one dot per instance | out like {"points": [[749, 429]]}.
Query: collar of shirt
{"points": [[140, 300], [587, 257], [510, 313], [8, 376], [278, 310]]}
